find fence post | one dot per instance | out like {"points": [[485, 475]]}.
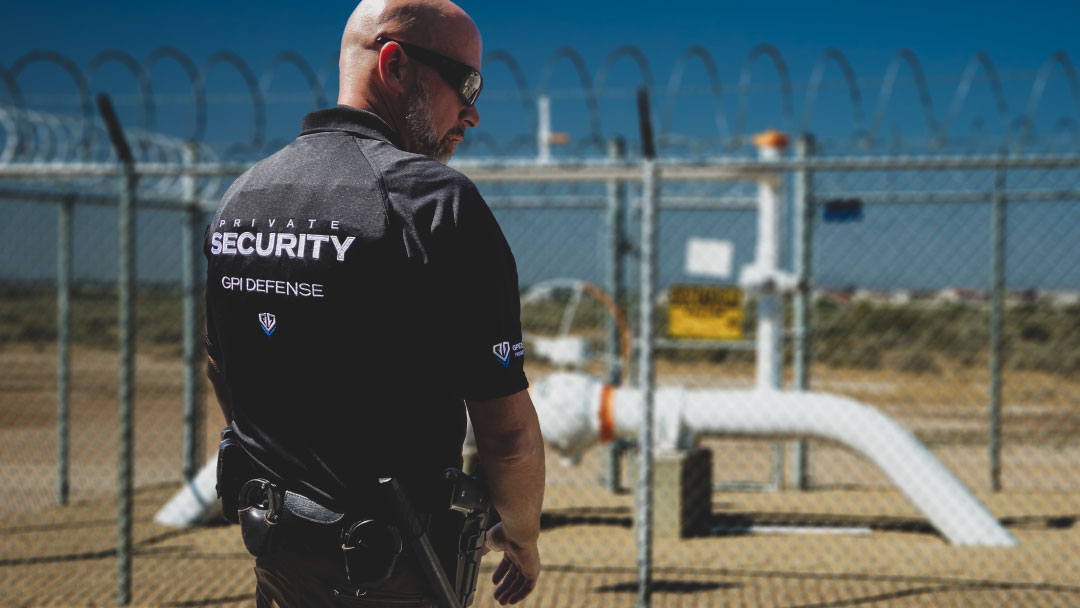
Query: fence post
{"points": [[997, 296], [804, 235], [616, 191], [125, 288], [650, 190], [646, 375], [63, 350], [190, 285]]}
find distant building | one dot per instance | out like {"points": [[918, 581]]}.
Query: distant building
{"points": [[901, 296], [871, 295], [960, 295], [840, 296], [1061, 298]]}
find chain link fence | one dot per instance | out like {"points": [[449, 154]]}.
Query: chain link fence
{"points": [[827, 337]]}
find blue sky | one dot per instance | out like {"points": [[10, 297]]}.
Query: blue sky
{"points": [[1018, 37], [944, 35], [1017, 34]]}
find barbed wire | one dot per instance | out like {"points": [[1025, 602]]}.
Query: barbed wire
{"points": [[29, 136], [1016, 132]]}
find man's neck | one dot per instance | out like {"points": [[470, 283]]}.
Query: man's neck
{"points": [[380, 108]]}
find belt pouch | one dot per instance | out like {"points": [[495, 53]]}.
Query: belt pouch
{"points": [[233, 470], [259, 514], [371, 549]]}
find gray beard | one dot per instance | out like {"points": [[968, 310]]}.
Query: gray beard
{"points": [[425, 139]]}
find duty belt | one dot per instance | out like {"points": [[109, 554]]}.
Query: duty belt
{"points": [[273, 518]]}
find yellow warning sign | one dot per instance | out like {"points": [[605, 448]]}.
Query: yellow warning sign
{"points": [[705, 312]]}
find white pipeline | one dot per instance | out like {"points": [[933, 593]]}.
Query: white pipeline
{"points": [[571, 410], [196, 502]]}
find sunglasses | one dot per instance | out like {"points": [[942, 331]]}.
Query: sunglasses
{"points": [[464, 79]]}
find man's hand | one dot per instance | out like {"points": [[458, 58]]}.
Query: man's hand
{"points": [[519, 569]]}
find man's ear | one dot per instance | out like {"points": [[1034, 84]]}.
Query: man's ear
{"points": [[392, 62]]}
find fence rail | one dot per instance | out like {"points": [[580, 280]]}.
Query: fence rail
{"points": [[982, 231]]}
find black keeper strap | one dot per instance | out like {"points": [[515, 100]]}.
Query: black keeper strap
{"points": [[304, 508]]}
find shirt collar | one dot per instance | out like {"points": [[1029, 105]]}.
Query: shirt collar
{"points": [[352, 120]]}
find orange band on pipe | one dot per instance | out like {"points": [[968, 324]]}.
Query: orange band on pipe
{"points": [[607, 413]]}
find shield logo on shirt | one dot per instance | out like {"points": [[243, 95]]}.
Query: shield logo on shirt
{"points": [[268, 322], [502, 352]]}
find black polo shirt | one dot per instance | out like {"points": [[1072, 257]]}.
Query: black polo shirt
{"points": [[356, 295]]}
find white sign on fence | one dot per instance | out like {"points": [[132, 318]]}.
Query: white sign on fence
{"points": [[709, 257]]}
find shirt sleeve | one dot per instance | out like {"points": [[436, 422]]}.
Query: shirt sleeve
{"points": [[492, 354]]}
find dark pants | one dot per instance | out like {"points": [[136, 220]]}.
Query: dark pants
{"points": [[300, 580]]}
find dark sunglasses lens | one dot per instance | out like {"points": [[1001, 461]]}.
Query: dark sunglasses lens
{"points": [[471, 86]]}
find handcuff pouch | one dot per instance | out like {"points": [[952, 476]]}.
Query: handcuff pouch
{"points": [[259, 514]]}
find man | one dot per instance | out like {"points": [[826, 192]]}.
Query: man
{"points": [[360, 295]]}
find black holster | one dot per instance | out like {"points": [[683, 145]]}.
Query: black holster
{"points": [[469, 497], [448, 549]]}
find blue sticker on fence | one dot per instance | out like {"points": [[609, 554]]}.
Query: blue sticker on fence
{"points": [[843, 210]]}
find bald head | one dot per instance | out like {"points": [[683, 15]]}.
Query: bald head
{"points": [[416, 21], [438, 25]]}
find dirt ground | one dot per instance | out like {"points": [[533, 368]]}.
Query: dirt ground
{"points": [[869, 549], [849, 541]]}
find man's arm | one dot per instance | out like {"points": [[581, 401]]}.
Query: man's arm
{"points": [[511, 452], [221, 390]]}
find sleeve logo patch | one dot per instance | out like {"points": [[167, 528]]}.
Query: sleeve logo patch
{"points": [[269, 323], [503, 350]]}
